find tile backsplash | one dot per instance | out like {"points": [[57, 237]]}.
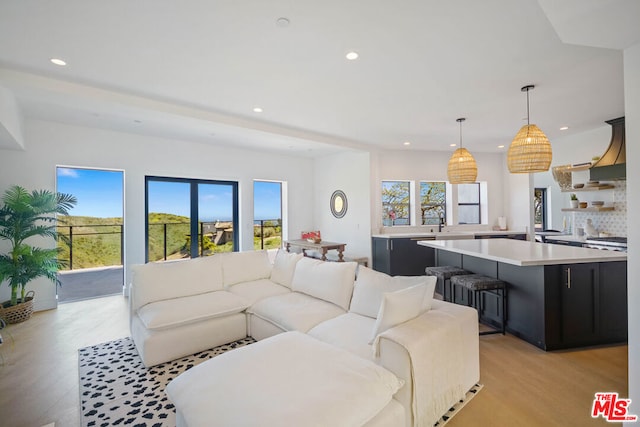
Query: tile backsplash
{"points": [[613, 222]]}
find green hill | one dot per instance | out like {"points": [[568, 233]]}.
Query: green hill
{"points": [[97, 241]]}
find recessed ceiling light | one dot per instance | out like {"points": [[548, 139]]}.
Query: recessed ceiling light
{"points": [[282, 22], [407, 143], [452, 145], [564, 128], [500, 146], [58, 61], [352, 55], [257, 110]]}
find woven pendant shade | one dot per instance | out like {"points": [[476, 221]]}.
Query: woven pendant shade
{"points": [[530, 151], [462, 167]]}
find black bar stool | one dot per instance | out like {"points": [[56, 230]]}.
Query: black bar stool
{"points": [[477, 283], [445, 273]]}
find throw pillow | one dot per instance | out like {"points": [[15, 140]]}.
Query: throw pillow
{"points": [[371, 285], [284, 266], [398, 307]]}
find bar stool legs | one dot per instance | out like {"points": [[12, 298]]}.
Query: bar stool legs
{"points": [[476, 284]]}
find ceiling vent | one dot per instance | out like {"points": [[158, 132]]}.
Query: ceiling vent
{"points": [[612, 164]]}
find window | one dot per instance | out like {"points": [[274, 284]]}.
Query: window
{"points": [[178, 209], [433, 197], [396, 203], [469, 203], [540, 209], [267, 215]]}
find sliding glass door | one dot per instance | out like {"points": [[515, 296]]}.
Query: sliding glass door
{"points": [[187, 218]]}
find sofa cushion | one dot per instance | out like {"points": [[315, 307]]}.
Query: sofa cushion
{"points": [[349, 331], [238, 267], [295, 311], [257, 290], [284, 266], [329, 281], [166, 280], [290, 379], [398, 307], [371, 285], [183, 311]]}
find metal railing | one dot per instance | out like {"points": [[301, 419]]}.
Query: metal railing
{"points": [[71, 234], [261, 225], [267, 231]]}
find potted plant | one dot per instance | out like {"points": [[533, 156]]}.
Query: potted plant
{"points": [[574, 200], [24, 215]]}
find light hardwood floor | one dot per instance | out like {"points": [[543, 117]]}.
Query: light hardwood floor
{"points": [[523, 386]]}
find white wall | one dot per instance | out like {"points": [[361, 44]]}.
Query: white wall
{"points": [[50, 144], [350, 173], [632, 124], [432, 166], [11, 135]]}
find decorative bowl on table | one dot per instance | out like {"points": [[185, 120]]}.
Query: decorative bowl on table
{"points": [[314, 240], [597, 203], [582, 204], [578, 185]]}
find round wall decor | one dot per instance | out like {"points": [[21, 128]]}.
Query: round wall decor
{"points": [[338, 203]]}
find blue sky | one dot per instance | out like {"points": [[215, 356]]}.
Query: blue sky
{"points": [[99, 194]]}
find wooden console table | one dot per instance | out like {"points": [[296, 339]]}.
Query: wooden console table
{"points": [[321, 247]]}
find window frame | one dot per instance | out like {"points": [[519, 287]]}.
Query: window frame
{"points": [[443, 205], [478, 204], [407, 206], [193, 209]]}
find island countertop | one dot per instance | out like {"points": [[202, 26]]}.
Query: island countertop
{"points": [[525, 253], [447, 234]]}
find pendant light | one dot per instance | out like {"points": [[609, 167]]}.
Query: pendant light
{"points": [[462, 166], [530, 150]]}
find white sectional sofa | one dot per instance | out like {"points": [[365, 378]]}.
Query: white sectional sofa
{"points": [[179, 308]]}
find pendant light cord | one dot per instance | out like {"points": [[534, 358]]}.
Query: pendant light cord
{"points": [[527, 107], [460, 120]]}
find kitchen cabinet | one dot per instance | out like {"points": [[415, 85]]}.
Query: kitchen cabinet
{"points": [[522, 236], [401, 256], [578, 303], [585, 304], [564, 242]]}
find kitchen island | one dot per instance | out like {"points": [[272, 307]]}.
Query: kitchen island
{"points": [[558, 296]]}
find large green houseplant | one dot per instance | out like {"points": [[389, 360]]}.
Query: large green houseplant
{"points": [[25, 215]]}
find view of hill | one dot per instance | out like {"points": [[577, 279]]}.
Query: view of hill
{"points": [[97, 241]]}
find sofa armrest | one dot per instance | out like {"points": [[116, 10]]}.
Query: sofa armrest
{"points": [[437, 354]]}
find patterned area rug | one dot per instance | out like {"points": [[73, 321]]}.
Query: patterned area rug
{"points": [[473, 392], [117, 390]]}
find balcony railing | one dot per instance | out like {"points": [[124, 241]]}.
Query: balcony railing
{"points": [[166, 239], [75, 233]]}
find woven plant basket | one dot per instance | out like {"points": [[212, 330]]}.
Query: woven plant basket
{"points": [[19, 312]]}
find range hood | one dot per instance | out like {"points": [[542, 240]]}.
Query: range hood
{"points": [[612, 164]]}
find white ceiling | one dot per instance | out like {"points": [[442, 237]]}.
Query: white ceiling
{"points": [[195, 70]]}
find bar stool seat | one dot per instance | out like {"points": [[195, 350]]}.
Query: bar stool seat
{"points": [[477, 283], [444, 273]]}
